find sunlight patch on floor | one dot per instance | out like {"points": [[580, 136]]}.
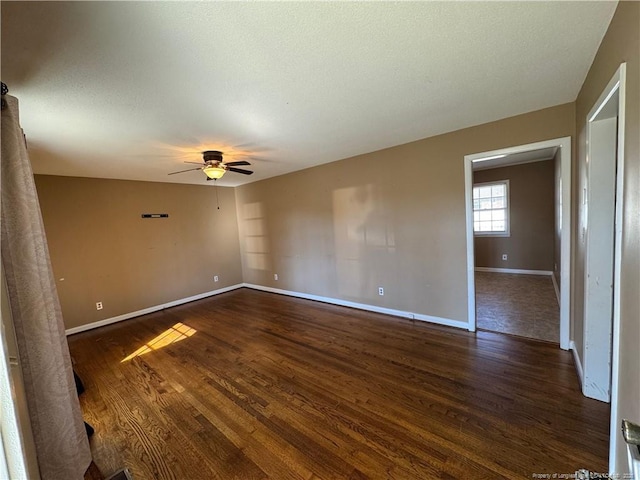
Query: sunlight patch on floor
{"points": [[171, 335]]}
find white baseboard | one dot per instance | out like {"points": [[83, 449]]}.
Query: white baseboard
{"points": [[513, 270], [556, 287], [576, 359], [144, 311], [363, 306], [307, 296]]}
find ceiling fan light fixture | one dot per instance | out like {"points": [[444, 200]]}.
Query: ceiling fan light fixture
{"points": [[214, 166], [214, 172]]}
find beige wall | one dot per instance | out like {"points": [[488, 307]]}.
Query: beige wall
{"points": [[106, 252], [393, 218], [620, 44], [530, 245]]}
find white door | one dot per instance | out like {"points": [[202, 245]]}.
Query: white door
{"points": [[599, 238], [602, 223]]}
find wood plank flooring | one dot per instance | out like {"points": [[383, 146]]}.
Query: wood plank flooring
{"points": [[258, 385]]}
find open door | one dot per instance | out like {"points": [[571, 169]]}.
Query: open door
{"points": [[598, 232], [601, 234], [601, 230]]}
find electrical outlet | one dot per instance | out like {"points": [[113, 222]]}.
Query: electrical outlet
{"points": [[380, 291], [98, 305], [504, 256], [275, 276], [215, 278]]}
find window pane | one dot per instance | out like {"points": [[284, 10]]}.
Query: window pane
{"points": [[476, 216], [497, 215], [485, 204], [484, 226], [484, 192], [485, 215], [498, 202], [497, 190], [476, 204], [499, 226], [476, 226], [476, 192]]}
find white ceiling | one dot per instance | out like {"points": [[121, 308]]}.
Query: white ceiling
{"points": [[130, 90]]}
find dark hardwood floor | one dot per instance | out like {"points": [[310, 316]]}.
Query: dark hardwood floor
{"points": [[252, 385]]}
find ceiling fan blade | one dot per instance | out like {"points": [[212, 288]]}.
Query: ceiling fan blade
{"points": [[234, 164], [240, 170], [187, 170], [195, 163]]}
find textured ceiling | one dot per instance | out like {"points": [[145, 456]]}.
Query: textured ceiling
{"points": [[130, 90]]}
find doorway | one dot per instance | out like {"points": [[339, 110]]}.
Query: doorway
{"points": [[600, 223], [600, 227], [516, 244], [563, 147]]}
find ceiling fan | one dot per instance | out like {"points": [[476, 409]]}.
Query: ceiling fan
{"points": [[214, 167]]}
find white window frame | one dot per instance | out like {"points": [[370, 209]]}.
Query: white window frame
{"points": [[507, 221]]}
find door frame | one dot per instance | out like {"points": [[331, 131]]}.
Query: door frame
{"points": [[564, 148], [617, 84]]}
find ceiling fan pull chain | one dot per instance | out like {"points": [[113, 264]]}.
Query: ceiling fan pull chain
{"points": [[215, 185]]}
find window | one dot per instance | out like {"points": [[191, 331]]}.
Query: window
{"points": [[491, 208]]}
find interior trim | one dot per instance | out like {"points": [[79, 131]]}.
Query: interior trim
{"points": [[566, 253], [519, 271], [145, 311], [334, 301], [576, 360], [363, 306]]}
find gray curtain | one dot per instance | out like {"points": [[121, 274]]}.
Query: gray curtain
{"points": [[61, 442]]}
